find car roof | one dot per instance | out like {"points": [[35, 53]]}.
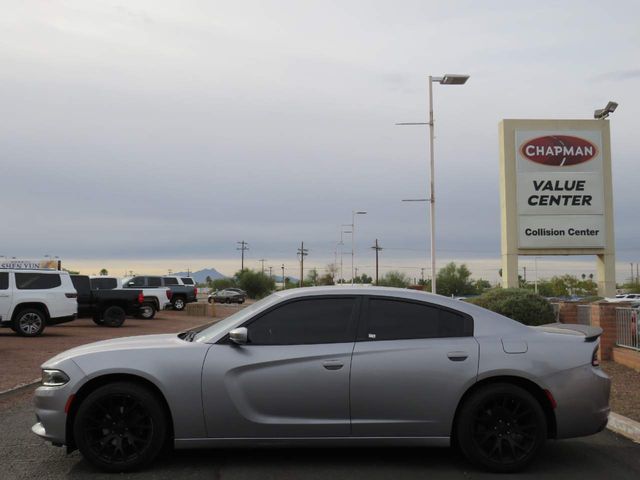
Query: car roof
{"points": [[34, 270]]}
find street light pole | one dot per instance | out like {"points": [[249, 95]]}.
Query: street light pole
{"points": [[353, 236], [448, 79]]}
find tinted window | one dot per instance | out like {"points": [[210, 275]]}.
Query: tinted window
{"points": [[327, 320], [104, 283], [81, 283], [4, 280], [136, 282], [170, 281], [188, 281], [155, 281], [396, 319], [37, 281]]}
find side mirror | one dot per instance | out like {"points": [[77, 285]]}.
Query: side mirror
{"points": [[239, 336]]}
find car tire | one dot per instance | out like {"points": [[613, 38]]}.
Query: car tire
{"points": [[147, 311], [29, 322], [241, 301], [121, 442], [210, 300], [98, 321], [501, 427], [113, 316], [179, 304]]}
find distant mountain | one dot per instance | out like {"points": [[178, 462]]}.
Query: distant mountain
{"points": [[201, 275]]}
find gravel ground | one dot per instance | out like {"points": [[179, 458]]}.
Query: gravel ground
{"points": [[21, 357], [625, 389]]}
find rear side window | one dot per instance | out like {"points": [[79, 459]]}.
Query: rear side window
{"points": [[4, 280], [37, 281], [155, 281], [326, 320], [188, 281], [170, 281], [397, 319], [104, 283]]}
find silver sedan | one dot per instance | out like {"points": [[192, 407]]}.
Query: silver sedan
{"points": [[337, 366]]}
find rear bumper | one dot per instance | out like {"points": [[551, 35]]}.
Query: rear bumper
{"points": [[582, 395]]}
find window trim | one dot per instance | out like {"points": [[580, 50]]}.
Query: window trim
{"points": [[353, 321], [363, 324]]}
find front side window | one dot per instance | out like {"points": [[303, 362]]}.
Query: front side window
{"points": [[398, 319], [37, 281], [4, 280], [311, 321], [136, 282]]}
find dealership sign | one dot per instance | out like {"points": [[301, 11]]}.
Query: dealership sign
{"points": [[560, 200], [29, 264]]}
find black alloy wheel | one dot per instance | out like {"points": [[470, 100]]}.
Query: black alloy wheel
{"points": [[113, 316], [501, 427], [120, 427]]}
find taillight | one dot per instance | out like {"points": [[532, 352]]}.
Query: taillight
{"points": [[195, 291], [169, 294], [140, 298], [594, 358]]}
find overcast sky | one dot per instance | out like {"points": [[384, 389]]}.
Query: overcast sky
{"points": [[151, 134]]}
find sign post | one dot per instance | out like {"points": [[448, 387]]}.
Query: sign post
{"points": [[556, 194]]}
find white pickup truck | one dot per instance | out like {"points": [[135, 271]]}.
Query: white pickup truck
{"points": [[33, 299], [154, 298]]}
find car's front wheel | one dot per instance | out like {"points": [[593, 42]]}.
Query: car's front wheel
{"points": [[120, 427], [501, 427], [113, 316]]}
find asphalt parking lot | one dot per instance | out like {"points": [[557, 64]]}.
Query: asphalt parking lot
{"points": [[24, 456]]}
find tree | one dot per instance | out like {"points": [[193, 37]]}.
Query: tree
{"points": [[481, 285], [104, 272], [455, 281], [364, 278], [256, 284], [395, 279], [312, 277]]}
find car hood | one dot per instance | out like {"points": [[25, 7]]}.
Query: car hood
{"points": [[117, 344]]}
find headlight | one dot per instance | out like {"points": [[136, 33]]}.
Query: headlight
{"points": [[54, 378]]}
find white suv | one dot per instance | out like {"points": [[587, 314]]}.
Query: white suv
{"points": [[32, 299]]}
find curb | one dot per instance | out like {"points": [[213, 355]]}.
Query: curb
{"points": [[624, 426], [20, 386]]}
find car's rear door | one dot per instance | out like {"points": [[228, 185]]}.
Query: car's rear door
{"points": [[411, 364], [291, 379], [6, 296]]}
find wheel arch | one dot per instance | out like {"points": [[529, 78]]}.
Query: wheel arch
{"points": [[530, 386], [36, 305], [102, 380]]}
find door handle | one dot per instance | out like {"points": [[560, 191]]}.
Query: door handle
{"points": [[457, 356], [333, 364]]}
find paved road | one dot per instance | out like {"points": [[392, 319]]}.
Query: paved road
{"points": [[24, 456]]}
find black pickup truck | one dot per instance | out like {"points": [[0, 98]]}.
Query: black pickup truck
{"points": [[106, 307], [181, 294]]}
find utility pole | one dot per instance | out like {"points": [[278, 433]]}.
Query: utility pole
{"points": [[377, 248], [283, 280], [422, 275], [525, 274], [262, 260], [244, 246], [631, 271], [270, 272], [302, 252], [637, 274]]}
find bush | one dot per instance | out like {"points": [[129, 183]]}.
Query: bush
{"points": [[521, 305], [256, 284]]}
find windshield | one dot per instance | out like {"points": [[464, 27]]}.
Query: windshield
{"points": [[223, 325]]}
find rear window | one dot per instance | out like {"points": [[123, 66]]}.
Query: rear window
{"points": [[4, 280], [104, 283], [37, 281], [188, 281], [170, 281]]}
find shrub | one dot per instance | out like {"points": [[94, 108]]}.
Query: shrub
{"points": [[256, 284], [521, 305]]}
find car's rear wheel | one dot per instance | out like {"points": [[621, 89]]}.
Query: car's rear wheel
{"points": [[98, 321], [113, 316], [178, 303], [210, 300], [29, 322], [501, 427], [147, 311], [120, 427]]}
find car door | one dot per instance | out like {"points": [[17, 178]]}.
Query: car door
{"points": [[292, 377], [410, 366], [5, 296]]}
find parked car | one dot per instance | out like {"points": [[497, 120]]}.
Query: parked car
{"points": [[331, 366], [180, 294], [155, 298], [106, 307], [33, 299], [624, 297], [227, 295]]}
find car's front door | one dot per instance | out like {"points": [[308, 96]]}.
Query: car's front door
{"points": [[292, 377], [410, 366]]}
